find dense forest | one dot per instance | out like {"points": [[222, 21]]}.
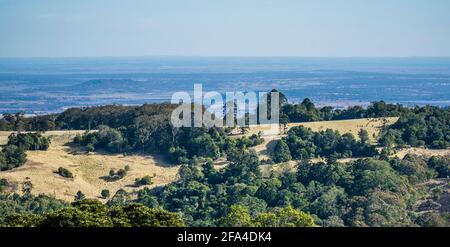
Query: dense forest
{"points": [[375, 191]]}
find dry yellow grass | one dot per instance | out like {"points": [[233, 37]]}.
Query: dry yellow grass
{"points": [[372, 125], [88, 169], [422, 152]]}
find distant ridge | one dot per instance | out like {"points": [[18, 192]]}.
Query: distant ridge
{"points": [[113, 85]]}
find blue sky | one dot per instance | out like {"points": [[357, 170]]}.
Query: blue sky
{"points": [[326, 28]]}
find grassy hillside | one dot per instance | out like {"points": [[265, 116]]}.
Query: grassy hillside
{"points": [[89, 170], [372, 125]]}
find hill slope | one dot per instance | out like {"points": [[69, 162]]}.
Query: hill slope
{"points": [[90, 170]]}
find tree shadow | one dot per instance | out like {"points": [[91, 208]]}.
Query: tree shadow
{"points": [[270, 146], [160, 160], [75, 149], [110, 178]]}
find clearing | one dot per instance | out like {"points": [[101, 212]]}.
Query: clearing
{"points": [[89, 170]]}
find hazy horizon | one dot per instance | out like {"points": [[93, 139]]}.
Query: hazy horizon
{"points": [[230, 56], [201, 28]]}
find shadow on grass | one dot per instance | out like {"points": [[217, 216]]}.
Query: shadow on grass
{"points": [[110, 178]]}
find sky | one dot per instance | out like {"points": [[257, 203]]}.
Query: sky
{"points": [[314, 28]]}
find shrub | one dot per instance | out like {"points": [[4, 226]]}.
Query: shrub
{"points": [[79, 196], [64, 172], [121, 173], [147, 180], [105, 193]]}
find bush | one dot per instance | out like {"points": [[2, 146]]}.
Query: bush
{"points": [[147, 180], [64, 172], [121, 173], [105, 193], [79, 196]]}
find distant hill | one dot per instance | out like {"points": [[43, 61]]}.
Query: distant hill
{"points": [[111, 85]]}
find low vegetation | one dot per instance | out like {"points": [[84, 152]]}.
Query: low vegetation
{"points": [[116, 175], [63, 172], [105, 194], [147, 180]]}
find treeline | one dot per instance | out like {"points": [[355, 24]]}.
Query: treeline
{"points": [[93, 213], [178, 145], [29, 141], [13, 154], [27, 204], [308, 112], [86, 118], [419, 126], [116, 116], [302, 143]]}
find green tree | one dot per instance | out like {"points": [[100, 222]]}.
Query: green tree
{"points": [[105, 193], [79, 196], [27, 187], [238, 216], [284, 217], [281, 152], [137, 215], [363, 136]]}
